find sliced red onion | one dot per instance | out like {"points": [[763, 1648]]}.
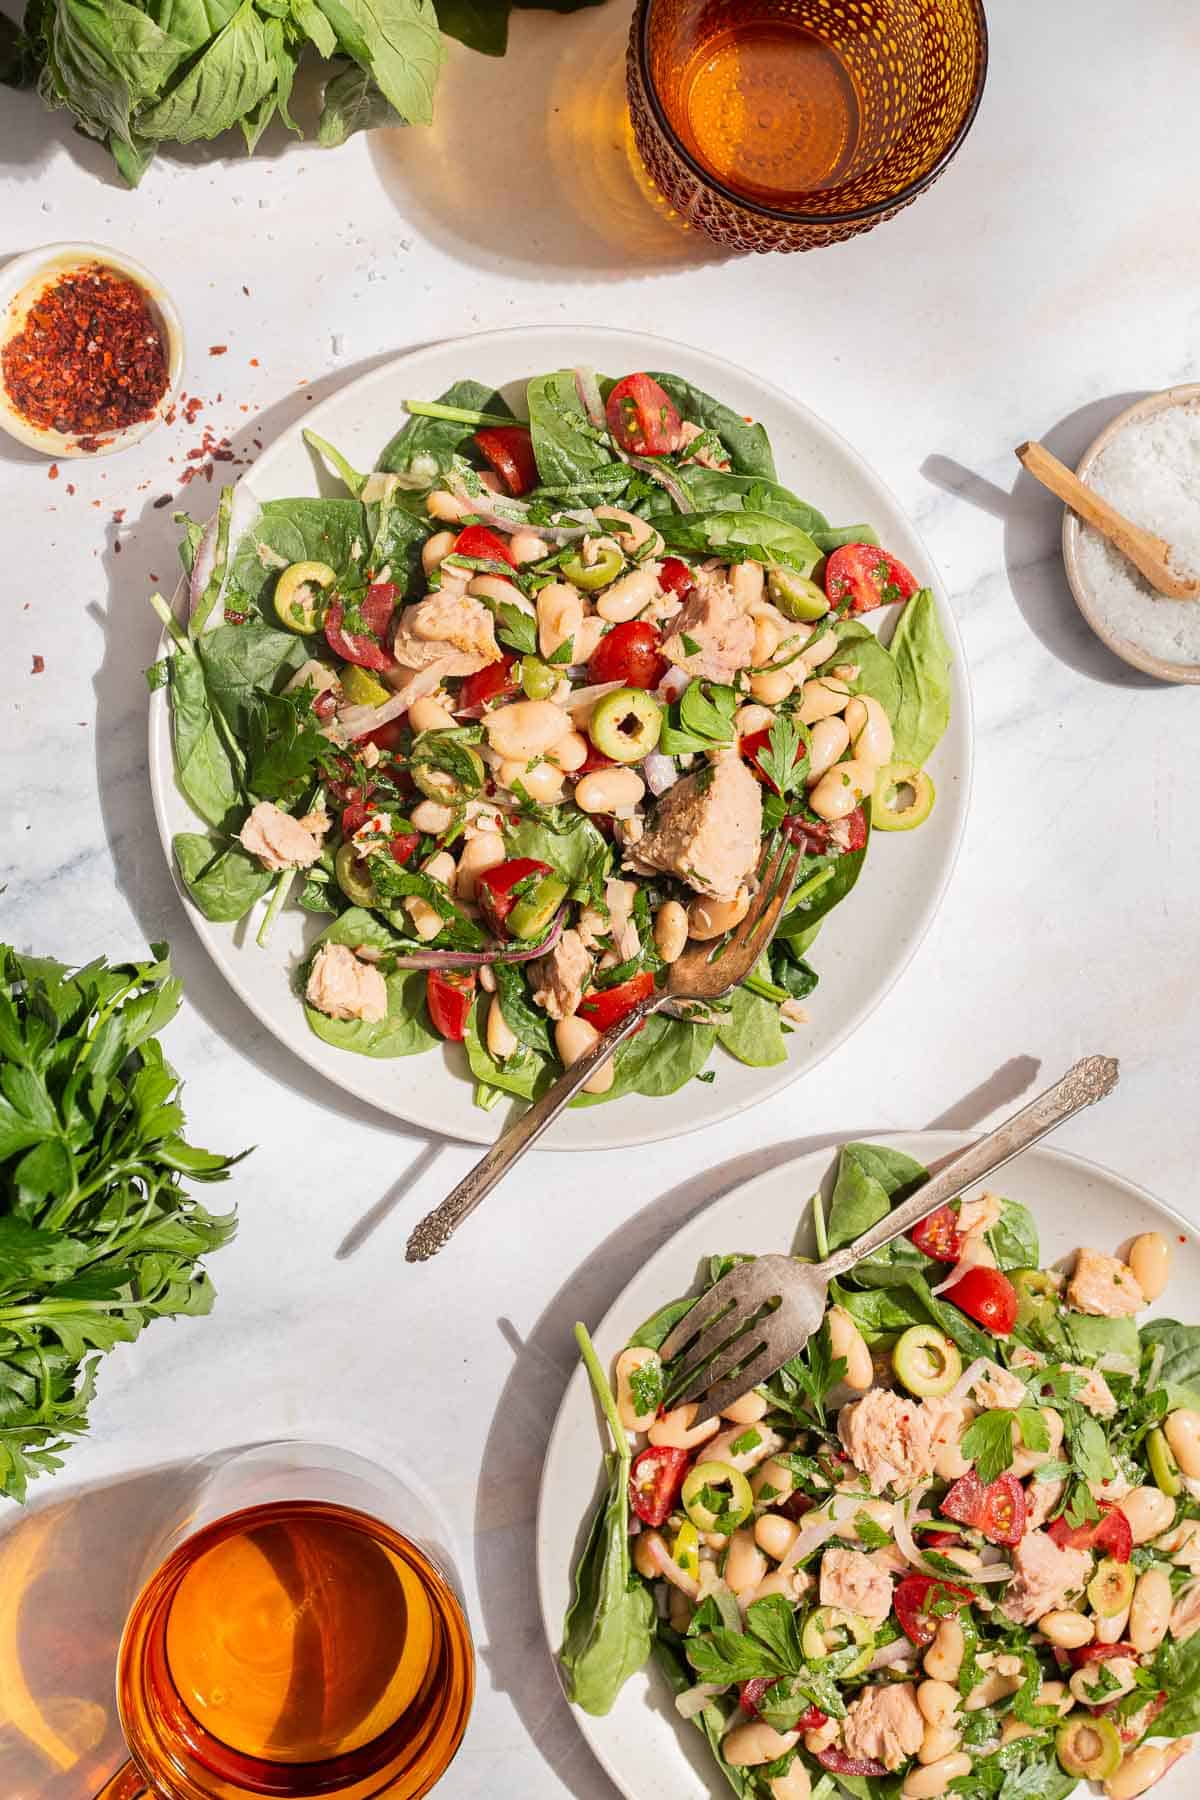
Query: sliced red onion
{"points": [[820, 1525], [203, 566], [479, 959], [898, 1651], [660, 772], [356, 721], [906, 1544], [673, 684], [670, 1570], [694, 1699], [970, 1375], [588, 389], [976, 1255], [665, 478], [583, 699], [243, 510]]}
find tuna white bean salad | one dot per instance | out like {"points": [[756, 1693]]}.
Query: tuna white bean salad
{"points": [[951, 1548], [521, 712]]}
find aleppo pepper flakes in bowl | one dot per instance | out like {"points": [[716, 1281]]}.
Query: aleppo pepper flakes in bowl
{"points": [[91, 350]]}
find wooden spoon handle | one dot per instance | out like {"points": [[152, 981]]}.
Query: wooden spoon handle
{"points": [[1147, 552]]}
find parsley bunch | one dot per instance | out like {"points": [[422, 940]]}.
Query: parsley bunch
{"points": [[97, 1235]]}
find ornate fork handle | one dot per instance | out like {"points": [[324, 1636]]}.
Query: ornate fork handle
{"points": [[438, 1226]]}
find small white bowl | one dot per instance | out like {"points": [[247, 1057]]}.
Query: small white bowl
{"points": [[22, 282], [1073, 529]]}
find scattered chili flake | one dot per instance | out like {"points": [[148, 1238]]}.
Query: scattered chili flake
{"points": [[70, 487], [39, 664], [163, 500], [116, 546], [119, 515], [217, 349], [245, 290], [254, 362], [193, 406], [90, 356], [53, 472]]}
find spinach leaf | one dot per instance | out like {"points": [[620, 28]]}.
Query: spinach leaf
{"points": [[238, 661], [922, 657], [900, 1274], [659, 1326], [741, 535], [663, 1056], [425, 447], [670, 1655], [751, 1030], [579, 856], [1093, 1337], [713, 490], [223, 879], [806, 909], [564, 441], [608, 1630], [520, 1014], [286, 742], [204, 762], [1014, 1238], [1181, 1359], [1177, 1671], [406, 1030], [288, 531], [526, 1074], [877, 671], [869, 1177], [748, 445], [830, 539]]}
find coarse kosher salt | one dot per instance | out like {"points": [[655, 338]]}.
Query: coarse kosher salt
{"points": [[1151, 473]]}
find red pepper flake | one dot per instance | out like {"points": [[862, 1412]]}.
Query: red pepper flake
{"points": [[116, 546], [39, 664], [217, 349], [246, 291], [193, 406], [90, 356], [70, 487], [163, 500], [254, 362], [53, 472], [119, 516]]}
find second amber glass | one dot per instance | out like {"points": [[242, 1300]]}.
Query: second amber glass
{"points": [[786, 124]]}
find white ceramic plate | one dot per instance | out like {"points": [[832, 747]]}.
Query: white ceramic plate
{"points": [[875, 931], [646, 1749]]}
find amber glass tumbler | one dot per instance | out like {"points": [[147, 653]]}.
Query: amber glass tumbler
{"points": [[788, 124]]}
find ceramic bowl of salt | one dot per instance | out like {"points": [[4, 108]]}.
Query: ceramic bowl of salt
{"points": [[1146, 462]]}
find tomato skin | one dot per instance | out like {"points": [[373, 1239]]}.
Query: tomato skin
{"points": [[494, 682], [1111, 1535], [610, 1004], [912, 1599], [858, 578], [857, 825], [593, 760], [940, 1540], [367, 648], [998, 1510], [675, 577], [478, 540], [642, 416], [354, 817], [988, 1297], [494, 888], [750, 1697], [389, 738], [813, 834], [840, 1764], [449, 994], [756, 741], [403, 845], [655, 1480], [938, 1235], [1090, 1653], [630, 654], [509, 449]]}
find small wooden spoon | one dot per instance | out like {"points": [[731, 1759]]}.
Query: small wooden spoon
{"points": [[1150, 554]]}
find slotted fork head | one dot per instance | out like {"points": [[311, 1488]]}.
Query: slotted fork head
{"points": [[707, 971], [736, 1335]]}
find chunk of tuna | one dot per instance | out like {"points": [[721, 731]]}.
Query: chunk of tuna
{"points": [[706, 829], [884, 1724], [851, 1580], [888, 1439], [560, 976], [342, 987], [994, 1387], [1045, 1577], [1104, 1286], [454, 630], [278, 840], [1095, 1393], [977, 1216], [719, 635]]}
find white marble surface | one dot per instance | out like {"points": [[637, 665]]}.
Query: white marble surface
{"points": [[1051, 275]]}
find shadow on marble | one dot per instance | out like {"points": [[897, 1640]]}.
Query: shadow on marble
{"points": [[1033, 543], [561, 191], [515, 1651], [131, 633]]}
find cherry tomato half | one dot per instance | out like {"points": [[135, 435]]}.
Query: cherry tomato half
{"points": [[389, 738], [750, 1698], [604, 1008], [494, 888], [998, 1509], [813, 834], [448, 995], [915, 1598], [493, 683], [754, 743], [988, 1297], [354, 817], [477, 540], [1090, 1653], [367, 647], [1110, 1535], [655, 1480], [509, 449], [403, 845], [642, 417], [858, 578], [938, 1235], [675, 577], [629, 654]]}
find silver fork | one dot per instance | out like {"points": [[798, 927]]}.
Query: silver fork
{"points": [[704, 973], [762, 1313]]}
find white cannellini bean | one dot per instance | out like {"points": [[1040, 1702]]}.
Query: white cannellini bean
{"points": [[943, 1740], [670, 930], [747, 580], [643, 1548], [938, 1701], [432, 816], [430, 715], [1066, 1629], [791, 1583], [823, 696], [1150, 1259], [559, 616], [822, 1737], [751, 718], [746, 1746], [766, 1443], [1112, 1629], [502, 1040], [588, 636], [609, 791], [637, 531], [527, 546], [573, 1038], [484, 851], [845, 1339], [626, 598], [830, 739], [943, 1659], [1120, 1668], [501, 592], [570, 753], [526, 729], [817, 650], [773, 1475], [934, 1778], [1150, 1610], [674, 1431], [711, 918], [448, 507], [629, 1361], [745, 1564], [870, 730], [441, 866], [434, 548], [426, 922], [766, 640], [1025, 1461], [772, 686], [795, 1785], [1182, 1432], [543, 783], [841, 789], [487, 979], [1141, 1768], [748, 1410], [775, 1535], [1149, 1511]]}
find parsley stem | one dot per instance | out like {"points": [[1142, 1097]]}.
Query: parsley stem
{"points": [[457, 415], [171, 622], [278, 896], [811, 886]]}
